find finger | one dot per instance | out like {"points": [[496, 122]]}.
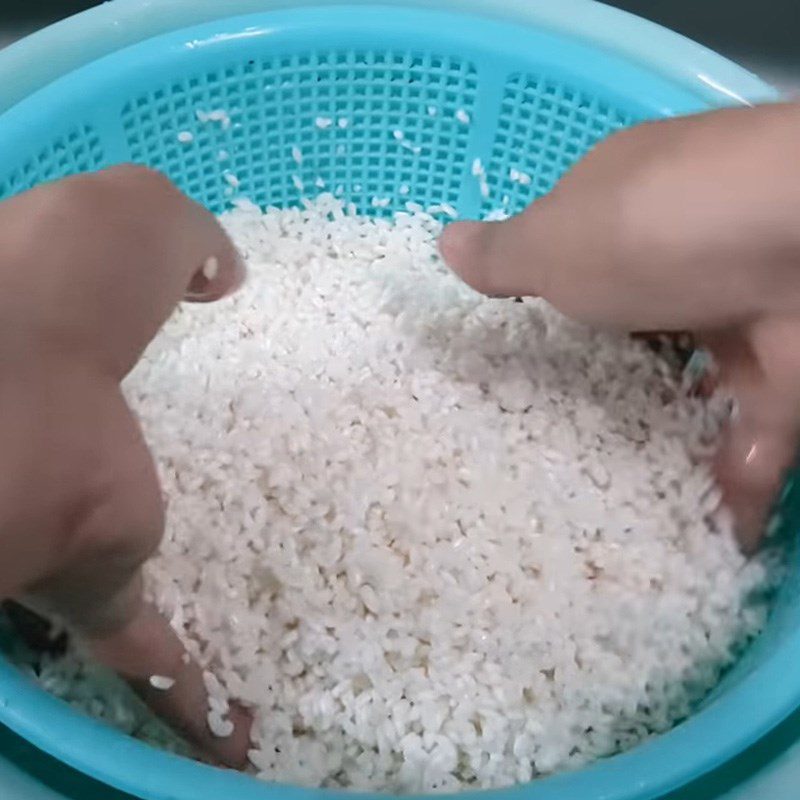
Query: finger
{"points": [[750, 467], [123, 247], [206, 263], [148, 654], [500, 259], [126, 213], [761, 366], [216, 278], [112, 513], [97, 585]]}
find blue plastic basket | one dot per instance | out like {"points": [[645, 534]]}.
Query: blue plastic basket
{"points": [[540, 83]]}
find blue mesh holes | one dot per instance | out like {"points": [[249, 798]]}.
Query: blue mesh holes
{"points": [[543, 128], [369, 125], [78, 150]]}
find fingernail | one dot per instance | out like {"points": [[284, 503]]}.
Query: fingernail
{"points": [[203, 283], [200, 285]]}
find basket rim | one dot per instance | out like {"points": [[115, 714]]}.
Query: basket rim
{"points": [[40, 58], [652, 768]]}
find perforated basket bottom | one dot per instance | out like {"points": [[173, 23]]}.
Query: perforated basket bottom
{"points": [[273, 117]]}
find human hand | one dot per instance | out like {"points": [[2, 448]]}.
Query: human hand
{"points": [[685, 224], [90, 268]]}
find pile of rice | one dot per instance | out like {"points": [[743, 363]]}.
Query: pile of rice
{"points": [[436, 541]]}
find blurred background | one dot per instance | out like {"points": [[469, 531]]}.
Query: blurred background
{"points": [[761, 34]]}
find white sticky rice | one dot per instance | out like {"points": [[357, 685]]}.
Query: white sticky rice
{"points": [[437, 541]]}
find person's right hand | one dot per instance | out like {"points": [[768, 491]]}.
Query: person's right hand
{"points": [[685, 224]]}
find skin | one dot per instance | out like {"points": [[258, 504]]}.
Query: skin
{"points": [[90, 268], [689, 224]]}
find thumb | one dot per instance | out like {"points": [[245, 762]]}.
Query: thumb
{"points": [[217, 277], [206, 264], [184, 244], [500, 259], [146, 646]]}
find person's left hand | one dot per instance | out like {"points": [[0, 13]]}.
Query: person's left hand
{"points": [[90, 268]]}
